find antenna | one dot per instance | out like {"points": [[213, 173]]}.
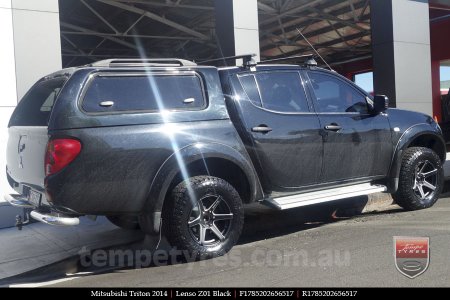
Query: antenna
{"points": [[314, 49]]}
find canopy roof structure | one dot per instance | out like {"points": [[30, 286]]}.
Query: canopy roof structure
{"points": [[97, 29]]}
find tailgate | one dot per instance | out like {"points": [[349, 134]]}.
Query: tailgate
{"points": [[25, 154]]}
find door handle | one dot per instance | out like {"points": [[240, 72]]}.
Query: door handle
{"points": [[333, 127], [262, 129]]}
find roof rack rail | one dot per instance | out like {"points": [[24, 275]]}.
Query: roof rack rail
{"points": [[308, 59], [248, 60], [144, 62]]}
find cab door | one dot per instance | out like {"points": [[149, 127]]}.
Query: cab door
{"points": [[357, 143], [283, 133]]}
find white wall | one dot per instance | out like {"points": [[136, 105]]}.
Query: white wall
{"points": [[8, 94], [30, 49], [36, 41], [246, 27], [237, 28], [412, 55]]}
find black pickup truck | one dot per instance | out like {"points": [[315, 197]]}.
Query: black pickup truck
{"points": [[165, 144]]}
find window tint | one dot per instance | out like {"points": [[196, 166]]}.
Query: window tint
{"points": [[136, 93], [48, 103], [248, 82], [335, 95], [282, 92], [278, 91], [36, 106]]}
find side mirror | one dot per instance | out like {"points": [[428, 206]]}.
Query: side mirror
{"points": [[379, 104]]}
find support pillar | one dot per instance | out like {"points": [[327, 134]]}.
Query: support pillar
{"points": [[401, 53], [237, 28]]}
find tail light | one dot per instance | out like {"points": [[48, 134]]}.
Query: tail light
{"points": [[60, 153]]}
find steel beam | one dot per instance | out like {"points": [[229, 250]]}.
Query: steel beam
{"points": [[91, 32], [155, 17], [99, 16]]}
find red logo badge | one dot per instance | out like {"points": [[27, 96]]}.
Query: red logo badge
{"points": [[412, 255]]}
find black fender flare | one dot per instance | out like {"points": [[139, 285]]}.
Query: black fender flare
{"points": [[152, 210], [408, 137]]}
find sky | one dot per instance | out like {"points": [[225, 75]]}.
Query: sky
{"points": [[445, 73], [365, 80]]}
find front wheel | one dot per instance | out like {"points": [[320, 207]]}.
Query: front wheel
{"points": [[421, 179], [204, 216]]}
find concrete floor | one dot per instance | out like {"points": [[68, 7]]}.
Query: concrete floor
{"points": [[304, 247]]}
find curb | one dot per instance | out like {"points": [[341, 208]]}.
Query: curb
{"points": [[359, 205], [377, 202]]}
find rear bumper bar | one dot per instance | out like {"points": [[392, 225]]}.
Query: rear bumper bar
{"points": [[18, 200], [54, 219], [51, 218]]}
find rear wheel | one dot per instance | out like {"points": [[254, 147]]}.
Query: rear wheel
{"points": [[421, 179], [125, 222], [204, 216]]}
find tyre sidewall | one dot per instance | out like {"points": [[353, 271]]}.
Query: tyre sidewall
{"points": [[420, 156], [183, 206]]}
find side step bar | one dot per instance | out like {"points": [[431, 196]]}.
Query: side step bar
{"points": [[47, 218], [324, 196]]}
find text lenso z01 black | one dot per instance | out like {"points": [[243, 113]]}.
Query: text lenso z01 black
{"points": [[141, 141]]}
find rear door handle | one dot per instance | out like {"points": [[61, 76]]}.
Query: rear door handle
{"points": [[333, 127], [262, 129]]}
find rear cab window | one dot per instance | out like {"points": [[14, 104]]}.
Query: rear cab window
{"points": [[109, 93], [36, 106]]}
